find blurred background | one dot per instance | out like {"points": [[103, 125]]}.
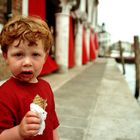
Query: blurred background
{"points": [[83, 30]]}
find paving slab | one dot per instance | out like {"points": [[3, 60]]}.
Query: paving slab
{"points": [[94, 102], [97, 104]]}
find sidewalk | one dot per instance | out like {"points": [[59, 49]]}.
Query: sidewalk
{"points": [[94, 102]]}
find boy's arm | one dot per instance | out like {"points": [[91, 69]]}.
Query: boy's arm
{"points": [[28, 127], [11, 134], [55, 135]]}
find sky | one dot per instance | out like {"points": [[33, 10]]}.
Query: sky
{"points": [[121, 18]]}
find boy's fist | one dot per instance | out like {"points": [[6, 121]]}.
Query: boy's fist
{"points": [[29, 125]]}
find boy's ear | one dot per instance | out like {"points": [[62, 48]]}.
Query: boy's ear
{"points": [[5, 55]]}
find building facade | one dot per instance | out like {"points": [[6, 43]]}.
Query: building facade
{"points": [[73, 24]]}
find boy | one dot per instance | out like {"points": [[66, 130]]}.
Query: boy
{"points": [[25, 44]]}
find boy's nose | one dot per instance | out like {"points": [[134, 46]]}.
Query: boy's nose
{"points": [[27, 62]]}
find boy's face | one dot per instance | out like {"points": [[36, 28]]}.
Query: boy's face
{"points": [[26, 62]]}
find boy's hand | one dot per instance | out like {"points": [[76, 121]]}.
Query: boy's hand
{"points": [[29, 125]]}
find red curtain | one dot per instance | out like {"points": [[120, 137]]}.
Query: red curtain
{"points": [[92, 47], [84, 50], [49, 66], [71, 45], [96, 41], [38, 8]]}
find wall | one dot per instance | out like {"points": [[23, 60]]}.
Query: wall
{"points": [[4, 71]]}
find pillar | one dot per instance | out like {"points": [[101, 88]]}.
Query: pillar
{"points": [[78, 45], [62, 41], [88, 42], [25, 7]]}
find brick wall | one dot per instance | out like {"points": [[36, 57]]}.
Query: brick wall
{"points": [[4, 71], [16, 8]]}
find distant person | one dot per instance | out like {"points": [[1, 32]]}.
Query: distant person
{"points": [[25, 44]]}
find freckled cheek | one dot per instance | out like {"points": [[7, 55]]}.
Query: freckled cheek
{"points": [[15, 68], [38, 66]]}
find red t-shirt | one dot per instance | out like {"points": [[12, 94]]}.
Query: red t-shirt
{"points": [[15, 100]]}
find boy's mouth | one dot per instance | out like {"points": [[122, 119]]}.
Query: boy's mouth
{"points": [[25, 75], [27, 72]]}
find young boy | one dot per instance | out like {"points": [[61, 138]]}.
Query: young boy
{"points": [[25, 44]]}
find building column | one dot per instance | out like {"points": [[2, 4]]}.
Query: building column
{"points": [[62, 40], [78, 45], [88, 42], [25, 7]]}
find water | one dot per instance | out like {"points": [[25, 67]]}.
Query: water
{"points": [[129, 76]]}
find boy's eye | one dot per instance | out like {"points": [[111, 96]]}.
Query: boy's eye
{"points": [[36, 54], [18, 54]]}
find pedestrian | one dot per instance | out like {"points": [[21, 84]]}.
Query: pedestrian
{"points": [[25, 44]]}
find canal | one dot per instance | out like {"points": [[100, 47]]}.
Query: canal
{"points": [[129, 76]]}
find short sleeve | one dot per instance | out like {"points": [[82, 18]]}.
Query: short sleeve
{"points": [[6, 116], [55, 120]]}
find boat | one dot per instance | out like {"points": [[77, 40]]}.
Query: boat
{"points": [[129, 57]]}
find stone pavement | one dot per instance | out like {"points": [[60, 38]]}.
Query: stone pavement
{"points": [[94, 102]]}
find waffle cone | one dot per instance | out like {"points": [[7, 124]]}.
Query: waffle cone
{"points": [[40, 101]]}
